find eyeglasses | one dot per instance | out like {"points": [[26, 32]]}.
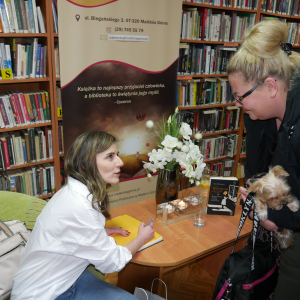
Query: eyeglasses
{"points": [[239, 99]]}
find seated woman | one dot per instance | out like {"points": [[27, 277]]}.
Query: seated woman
{"points": [[70, 232]]}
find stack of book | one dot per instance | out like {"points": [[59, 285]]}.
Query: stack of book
{"points": [[21, 16], [203, 59], [212, 120], [225, 3], [34, 181], [223, 167], [213, 147], [205, 91], [19, 109], [26, 146], [203, 24], [287, 7], [26, 60]]}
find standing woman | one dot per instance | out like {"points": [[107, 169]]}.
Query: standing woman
{"points": [[264, 76], [70, 232]]}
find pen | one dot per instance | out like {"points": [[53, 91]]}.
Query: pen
{"points": [[149, 222]]}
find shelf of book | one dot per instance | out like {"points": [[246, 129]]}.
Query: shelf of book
{"points": [[219, 158], [207, 106], [31, 164], [29, 80], [230, 8], [23, 35], [25, 127]]}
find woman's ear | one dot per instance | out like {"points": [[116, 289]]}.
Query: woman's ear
{"points": [[272, 86]]}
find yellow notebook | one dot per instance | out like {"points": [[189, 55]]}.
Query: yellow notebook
{"points": [[132, 225]]}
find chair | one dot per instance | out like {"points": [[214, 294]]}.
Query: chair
{"points": [[25, 208], [17, 206]]}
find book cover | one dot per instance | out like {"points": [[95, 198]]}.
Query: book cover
{"points": [[222, 195], [132, 225]]}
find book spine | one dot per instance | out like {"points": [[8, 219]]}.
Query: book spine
{"points": [[20, 111], [8, 116], [9, 15], [52, 179], [3, 113], [31, 16], [34, 109], [23, 16], [38, 61], [27, 16], [50, 143], [36, 26], [34, 57], [32, 144], [25, 109], [19, 15], [10, 150], [37, 107], [6, 155], [24, 152], [3, 17]]}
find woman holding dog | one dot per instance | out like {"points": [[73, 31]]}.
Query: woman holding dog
{"points": [[264, 76], [70, 232]]}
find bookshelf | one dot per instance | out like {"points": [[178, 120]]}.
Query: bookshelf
{"points": [[26, 85], [198, 38]]}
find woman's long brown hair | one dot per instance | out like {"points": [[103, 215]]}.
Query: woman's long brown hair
{"points": [[80, 163]]}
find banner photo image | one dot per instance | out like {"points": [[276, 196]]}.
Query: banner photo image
{"points": [[118, 63]]}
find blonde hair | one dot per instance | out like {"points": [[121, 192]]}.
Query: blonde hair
{"points": [[260, 54], [80, 163]]}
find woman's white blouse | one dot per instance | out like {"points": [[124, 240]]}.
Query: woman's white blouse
{"points": [[68, 236]]}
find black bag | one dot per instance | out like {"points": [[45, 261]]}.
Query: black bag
{"points": [[250, 273]]}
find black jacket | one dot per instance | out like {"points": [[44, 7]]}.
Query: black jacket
{"points": [[287, 154]]}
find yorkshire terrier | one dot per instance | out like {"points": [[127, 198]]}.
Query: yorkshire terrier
{"points": [[272, 190]]}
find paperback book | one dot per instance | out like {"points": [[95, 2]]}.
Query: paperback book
{"points": [[222, 196], [132, 225]]}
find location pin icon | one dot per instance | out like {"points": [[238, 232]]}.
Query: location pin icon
{"points": [[77, 17]]}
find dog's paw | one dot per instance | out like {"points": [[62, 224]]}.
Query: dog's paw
{"points": [[294, 205]]}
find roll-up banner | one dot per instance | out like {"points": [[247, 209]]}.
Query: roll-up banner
{"points": [[118, 67]]}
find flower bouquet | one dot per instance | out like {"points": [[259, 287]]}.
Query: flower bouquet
{"points": [[173, 152]]}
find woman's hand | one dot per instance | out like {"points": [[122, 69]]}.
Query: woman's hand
{"points": [[269, 225], [244, 193], [146, 233], [117, 230]]}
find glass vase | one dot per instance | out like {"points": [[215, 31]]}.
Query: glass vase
{"points": [[167, 185]]}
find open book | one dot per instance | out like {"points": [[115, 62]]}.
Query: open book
{"points": [[132, 225]]}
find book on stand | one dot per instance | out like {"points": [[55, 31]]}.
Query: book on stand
{"points": [[222, 195]]}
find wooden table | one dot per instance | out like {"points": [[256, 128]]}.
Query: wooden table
{"points": [[184, 253]]}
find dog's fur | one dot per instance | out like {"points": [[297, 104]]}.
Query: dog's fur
{"points": [[272, 190]]}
